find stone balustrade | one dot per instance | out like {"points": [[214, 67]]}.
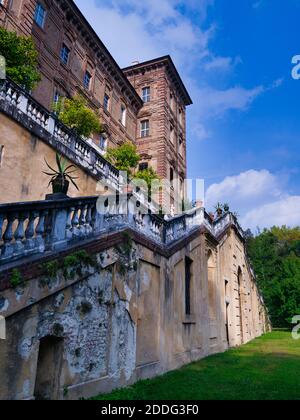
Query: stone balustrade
{"points": [[34, 228], [15, 101], [38, 227]]}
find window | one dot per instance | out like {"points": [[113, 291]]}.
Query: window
{"points": [[181, 145], [143, 166], [146, 94], [106, 102], [123, 115], [64, 54], [188, 278], [172, 133], [56, 97], [87, 80], [40, 15], [172, 177], [145, 128], [180, 117], [171, 101], [103, 142]]}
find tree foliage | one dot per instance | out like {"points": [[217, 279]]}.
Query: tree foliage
{"points": [[75, 114], [149, 176], [21, 58], [275, 255], [125, 157]]}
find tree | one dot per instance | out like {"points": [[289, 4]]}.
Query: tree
{"points": [[149, 176], [21, 58], [125, 157], [75, 114], [275, 256]]}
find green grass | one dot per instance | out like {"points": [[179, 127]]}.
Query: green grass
{"points": [[268, 368]]}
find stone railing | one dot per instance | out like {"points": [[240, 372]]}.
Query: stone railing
{"points": [[19, 104], [34, 228], [228, 219]]}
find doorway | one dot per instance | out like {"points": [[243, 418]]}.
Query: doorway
{"points": [[47, 384]]}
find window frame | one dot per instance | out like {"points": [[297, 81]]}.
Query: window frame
{"points": [[37, 15], [104, 138], [146, 97], [65, 48], [188, 285], [143, 166], [106, 102], [123, 116], [145, 131], [87, 73]]}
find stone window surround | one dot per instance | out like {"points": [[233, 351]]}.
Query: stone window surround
{"points": [[87, 80], [40, 15], [65, 54], [146, 94], [145, 128]]}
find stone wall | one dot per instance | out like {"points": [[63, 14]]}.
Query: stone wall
{"points": [[22, 165], [117, 313]]}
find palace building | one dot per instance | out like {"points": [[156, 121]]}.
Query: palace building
{"points": [[97, 294]]}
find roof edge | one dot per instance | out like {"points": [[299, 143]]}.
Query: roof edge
{"points": [[167, 58]]}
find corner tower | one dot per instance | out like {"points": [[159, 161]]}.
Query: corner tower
{"points": [[161, 128]]}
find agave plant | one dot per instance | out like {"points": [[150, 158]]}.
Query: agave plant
{"points": [[226, 207], [219, 209], [61, 176]]}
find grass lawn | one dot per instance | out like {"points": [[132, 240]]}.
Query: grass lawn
{"points": [[267, 368]]}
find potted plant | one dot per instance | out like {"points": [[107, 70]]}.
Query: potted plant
{"points": [[60, 178], [226, 208], [219, 209]]}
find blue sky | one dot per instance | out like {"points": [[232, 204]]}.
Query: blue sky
{"points": [[235, 58]]}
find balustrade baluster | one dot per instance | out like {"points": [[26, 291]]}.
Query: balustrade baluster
{"points": [[69, 223], [75, 222], [40, 231], [19, 234], [82, 221], [8, 248], [88, 225], [29, 233]]}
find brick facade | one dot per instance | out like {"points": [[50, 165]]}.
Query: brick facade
{"points": [[165, 147], [63, 26]]}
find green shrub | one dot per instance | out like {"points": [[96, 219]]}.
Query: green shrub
{"points": [[75, 114], [16, 279], [125, 157], [21, 58]]}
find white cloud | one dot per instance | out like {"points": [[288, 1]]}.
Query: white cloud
{"points": [[244, 188], [218, 102], [282, 212], [259, 197], [141, 30]]}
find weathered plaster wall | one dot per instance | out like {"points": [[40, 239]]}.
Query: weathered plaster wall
{"points": [[122, 316], [22, 165]]}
